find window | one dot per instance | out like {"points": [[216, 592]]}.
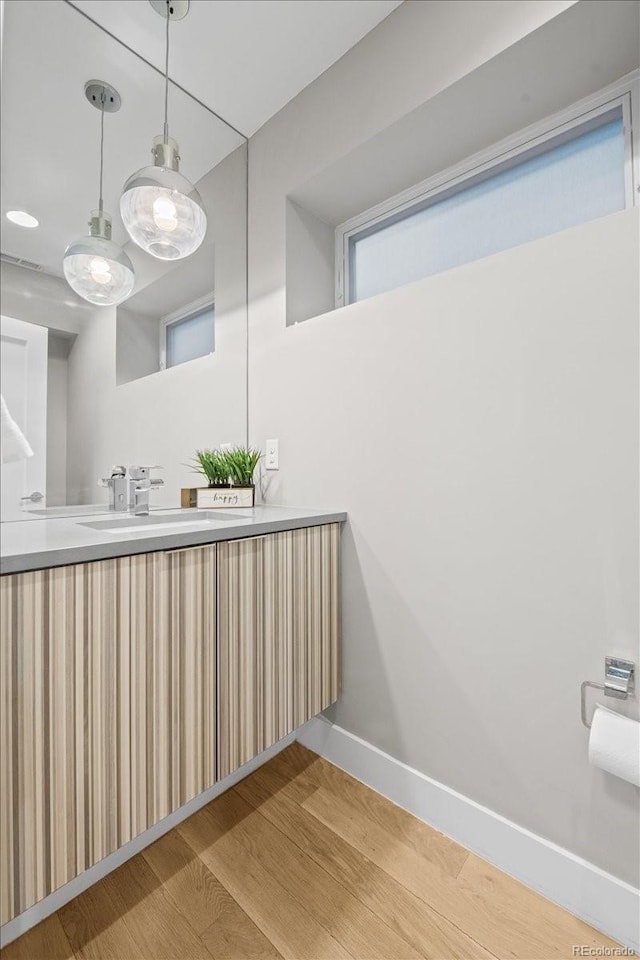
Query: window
{"points": [[573, 172], [189, 335]]}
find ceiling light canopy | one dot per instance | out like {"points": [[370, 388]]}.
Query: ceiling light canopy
{"points": [[161, 210], [95, 267], [22, 218]]}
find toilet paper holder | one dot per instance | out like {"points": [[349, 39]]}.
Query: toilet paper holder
{"points": [[619, 682]]}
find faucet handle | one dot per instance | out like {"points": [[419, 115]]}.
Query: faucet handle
{"points": [[116, 472], [141, 473]]}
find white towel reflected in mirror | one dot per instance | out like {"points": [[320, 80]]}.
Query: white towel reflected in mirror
{"points": [[15, 445]]}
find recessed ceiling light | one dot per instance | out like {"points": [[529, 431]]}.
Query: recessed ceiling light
{"points": [[21, 218]]}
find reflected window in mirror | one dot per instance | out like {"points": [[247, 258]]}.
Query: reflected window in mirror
{"points": [[188, 336]]}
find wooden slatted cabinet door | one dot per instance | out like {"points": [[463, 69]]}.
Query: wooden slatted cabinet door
{"points": [[278, 637], [108, 712], [186, 706], [170, 680], [63, 634]]}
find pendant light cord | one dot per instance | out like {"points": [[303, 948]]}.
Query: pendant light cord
{"points": [[166, 80], [103, 97]]}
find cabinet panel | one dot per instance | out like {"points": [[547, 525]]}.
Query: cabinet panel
{"points": [[108, 710], [278, 637], [172, 682]]}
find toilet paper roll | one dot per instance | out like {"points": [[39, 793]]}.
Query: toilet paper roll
{"points": [[614, 744]]}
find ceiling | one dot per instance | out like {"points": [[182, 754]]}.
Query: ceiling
{"points": [[245, 59]]}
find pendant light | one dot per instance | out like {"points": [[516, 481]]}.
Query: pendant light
{"points": [[161, 210], [95, 267]]}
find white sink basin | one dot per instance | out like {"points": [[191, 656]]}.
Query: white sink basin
{"points": [[172, 521]]}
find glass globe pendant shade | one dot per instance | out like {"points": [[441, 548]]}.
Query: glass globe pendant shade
{"points": [[97, 268], [161, 210]]}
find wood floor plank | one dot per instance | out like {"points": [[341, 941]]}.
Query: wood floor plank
{"points": [[342, 914], [431, 935], [310, 770], [158, 928], [496, 922], [234, 936], [95, 927], [224, 928], [294, 932], [196, 893], [47, 941], [286, 775], [516, 904], [298, 759]]}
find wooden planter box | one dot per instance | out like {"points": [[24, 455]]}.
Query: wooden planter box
{"points": [[213, 498]]}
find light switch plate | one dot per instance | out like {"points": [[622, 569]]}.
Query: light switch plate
{"points": [[272, 455]]}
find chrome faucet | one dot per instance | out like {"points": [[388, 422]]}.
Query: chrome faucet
{"points": [[140, 484], [118, 486], [130, 489]]}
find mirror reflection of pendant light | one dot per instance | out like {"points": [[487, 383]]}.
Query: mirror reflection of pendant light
{"points": [[161, 210], [95, 267]]}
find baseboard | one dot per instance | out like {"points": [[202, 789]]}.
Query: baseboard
{"points": [[600, 899], [48, 905]]}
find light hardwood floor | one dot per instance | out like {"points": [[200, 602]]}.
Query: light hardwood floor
{"points": [[301, 861]]}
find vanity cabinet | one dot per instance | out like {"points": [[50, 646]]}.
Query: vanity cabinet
{"points": [[278, 631], [130, 686], [108, 707]]}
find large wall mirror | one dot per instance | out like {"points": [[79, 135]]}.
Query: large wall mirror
{"points": [[163, 374]]}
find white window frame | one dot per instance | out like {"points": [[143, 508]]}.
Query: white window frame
{"points": [[625, 93], [184, 313]]}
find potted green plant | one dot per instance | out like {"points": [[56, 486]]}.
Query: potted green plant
{"points": [[241, 463], [212, 465], [229, 474]]}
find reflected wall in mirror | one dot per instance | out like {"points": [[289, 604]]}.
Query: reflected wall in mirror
{"points": [[164, 373]]}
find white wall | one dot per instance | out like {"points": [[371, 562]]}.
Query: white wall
{"points": [[505, 394], [43, 299], [57, 384], [137, 345]]}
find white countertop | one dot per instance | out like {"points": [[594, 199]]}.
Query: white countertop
{"points": [[33, 545]]}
